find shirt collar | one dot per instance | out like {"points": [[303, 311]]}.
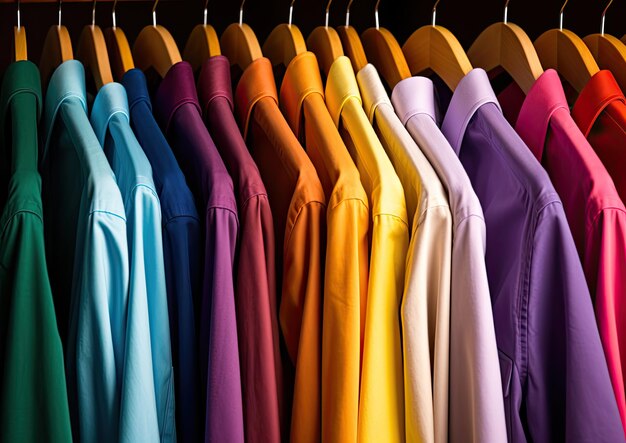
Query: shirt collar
{"points": [[20, 78], [214, 81], [111, 100], [256, 83], [341, 86], [413, 96], [472, 92], [67, 81], [134, 82], [545, 96], [374, 94], [302, 79], [599, 92], [177, 89]]}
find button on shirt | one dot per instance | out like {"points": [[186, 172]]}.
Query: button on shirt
{"points": [[347, 254], [472, 333], [181, 250], [600, 113], [595, 213], [33, 393], [298, 208], [255, 281], [180, 116], [555, 382], [87, 253], [147, 410], [426, 299], [381, 401]]}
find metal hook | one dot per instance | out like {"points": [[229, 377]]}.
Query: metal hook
{"points": [[348, 13], [19, 20], [561, 15], [328, 12], [291, 11], [113, 13], [154, 21], [93, 13], [435, 12], [206, 6], [241, 12], [60, 3], [506, 12], [376, 14], [604, 17]]}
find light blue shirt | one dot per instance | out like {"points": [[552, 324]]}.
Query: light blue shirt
{"points": [[147, 398], [87, 250]]}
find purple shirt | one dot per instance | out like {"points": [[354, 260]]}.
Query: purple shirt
{"points": [[179, 114], [556, 384]]}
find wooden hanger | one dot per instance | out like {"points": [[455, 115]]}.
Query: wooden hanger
{"points": [[57, 48], [155, 48], [437, 49], [284, 42], [239, 43], [325, 43], [609, 52], [92, 52], [506, 45], [564, 51], [202, 43], [351, 43], [120, 56], [20, 51], [385, 53]]}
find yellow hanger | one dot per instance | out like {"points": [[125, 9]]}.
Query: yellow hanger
{"points": [[351, 43], [506, 45], [57, 48], [385, 53], [155, 47], [19, 39], [284, 42], [239, 43], [202, 43], [120, 57], [437, 49], [92, 52], [609, 52], [564, 51], [325, 43]]}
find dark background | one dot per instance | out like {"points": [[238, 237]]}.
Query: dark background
{"points": [[465, 18]]}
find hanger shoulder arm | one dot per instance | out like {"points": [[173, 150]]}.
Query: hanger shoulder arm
{"points": [[353, 47], [120, 56], [20, 51], [202, 44], [155, 47], [92, 52], [283, 44], [385, 53], [57, 48], [610, 53], [240, 45], [326, 45]]}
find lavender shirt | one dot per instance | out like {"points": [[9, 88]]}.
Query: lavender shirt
{"points": [[179, 114], [556, 382]]}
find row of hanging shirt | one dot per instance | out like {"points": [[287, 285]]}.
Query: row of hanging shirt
{"points": [[423, 274]]}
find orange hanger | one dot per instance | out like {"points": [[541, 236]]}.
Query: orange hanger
{"points": [[284, 42], [385, 53], [92, 52], [506, 45], [120, 56], [351, 43], [19, 39], [437, 49], [564, 51], [57, 48], [202, 43], [325, 43], [155, 47], [239, 43], [609, 52]]}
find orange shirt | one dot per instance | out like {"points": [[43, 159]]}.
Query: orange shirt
{"points": [[345, 285], [298, 207]]}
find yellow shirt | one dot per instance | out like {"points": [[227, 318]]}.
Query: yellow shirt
{"points": [[381, 402], [347, 255], [426, 301]]}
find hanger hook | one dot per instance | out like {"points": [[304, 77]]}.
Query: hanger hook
{"points": [[206, 7], [93, 13], [154, 6], [291, 11], [328, 12], [604, 17], [19, 19], [376, 14], [113, 14], [561, 15], [506, 12], [348, 13], [241, 12], [435, 12], [60, 4]]}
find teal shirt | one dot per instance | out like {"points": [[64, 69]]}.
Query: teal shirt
{"points": [[33, 394], [87, 254], [147, 403]]}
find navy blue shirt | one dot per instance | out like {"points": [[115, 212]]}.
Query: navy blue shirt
{"points": [[181, 249]]}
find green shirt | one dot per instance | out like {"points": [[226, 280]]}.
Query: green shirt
{"points": [[33, 394]]}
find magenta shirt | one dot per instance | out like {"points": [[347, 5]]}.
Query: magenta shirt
{"points": [[179, 114]]}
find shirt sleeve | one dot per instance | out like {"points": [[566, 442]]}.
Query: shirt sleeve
{"points": [[569, 395]]}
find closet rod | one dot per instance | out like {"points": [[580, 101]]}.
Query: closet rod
{"points": [[85, 1]]}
